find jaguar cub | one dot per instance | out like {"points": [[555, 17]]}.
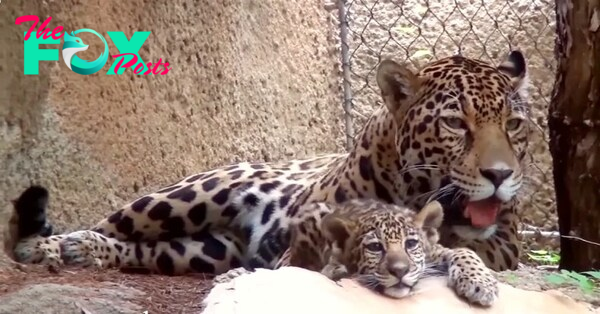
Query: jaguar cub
{"points": [[385, 247]]}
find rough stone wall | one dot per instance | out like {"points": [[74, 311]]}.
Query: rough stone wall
{"points": [[250, 80]]}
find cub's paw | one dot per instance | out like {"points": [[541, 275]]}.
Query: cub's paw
{"points": [[334, 272]]}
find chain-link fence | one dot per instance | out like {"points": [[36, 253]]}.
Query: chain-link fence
{"points": [[419, 31]]}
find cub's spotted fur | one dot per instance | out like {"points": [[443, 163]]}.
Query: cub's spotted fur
{"points": [[386, 247], [455, 130]]}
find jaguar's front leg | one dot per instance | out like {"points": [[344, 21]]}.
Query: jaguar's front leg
{"points": [[468, 276]]}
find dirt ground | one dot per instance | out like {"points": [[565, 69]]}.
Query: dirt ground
{"points": [[162, 294], [183, 294], [531, 278]]}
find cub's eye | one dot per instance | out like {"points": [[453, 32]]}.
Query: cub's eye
{"points": [[513, 124], [455, 123], [411, 243], [375, 247]]}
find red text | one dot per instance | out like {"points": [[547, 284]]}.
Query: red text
{"points": [[43, 30], [138, 69]]}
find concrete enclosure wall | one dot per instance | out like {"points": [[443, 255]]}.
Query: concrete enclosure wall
{"points": [[249, 80]]}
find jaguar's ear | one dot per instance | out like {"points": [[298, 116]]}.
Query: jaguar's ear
{"points": [[398, 85], [337, 227], [430, 216], [515, 67]]}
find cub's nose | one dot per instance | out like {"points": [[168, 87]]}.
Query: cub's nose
{"points": [[399, 271], [496, 176]]}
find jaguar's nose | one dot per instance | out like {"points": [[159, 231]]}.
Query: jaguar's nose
{"points": [[496, 176]]}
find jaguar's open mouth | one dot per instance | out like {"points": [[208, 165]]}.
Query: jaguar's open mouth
{"points": [[458, 210], [482, 213]]}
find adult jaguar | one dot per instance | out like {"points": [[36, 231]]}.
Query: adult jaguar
{"points": [[458, 127]]}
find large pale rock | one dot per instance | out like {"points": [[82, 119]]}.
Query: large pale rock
{"points": [[293, 290]]}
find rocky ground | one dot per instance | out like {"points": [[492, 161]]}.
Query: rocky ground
{"points": [[531, 278], [36, 290]]}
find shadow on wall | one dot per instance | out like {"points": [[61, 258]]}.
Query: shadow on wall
{"points": [[249, 80]]}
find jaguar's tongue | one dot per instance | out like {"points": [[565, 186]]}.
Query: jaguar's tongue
{"points": [[483, 212]]}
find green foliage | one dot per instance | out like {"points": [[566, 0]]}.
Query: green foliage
{"points": [[588, 281], [544, 257]]}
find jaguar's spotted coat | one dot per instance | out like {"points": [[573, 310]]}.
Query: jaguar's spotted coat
{"points": [[457, 128]]}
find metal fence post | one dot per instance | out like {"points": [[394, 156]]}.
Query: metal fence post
{"points": [[347, 87]]}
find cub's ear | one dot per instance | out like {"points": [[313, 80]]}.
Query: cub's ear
{"points": [[430, 216], [398, 86], [337, 228], [515, 67]]}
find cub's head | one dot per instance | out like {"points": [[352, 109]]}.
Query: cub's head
{"points": [[462, 126], [383, 246]]}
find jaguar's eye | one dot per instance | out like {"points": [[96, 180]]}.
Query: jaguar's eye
{"points": [[411, 243], [455, 123], [513, 124], [375, 247]]}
